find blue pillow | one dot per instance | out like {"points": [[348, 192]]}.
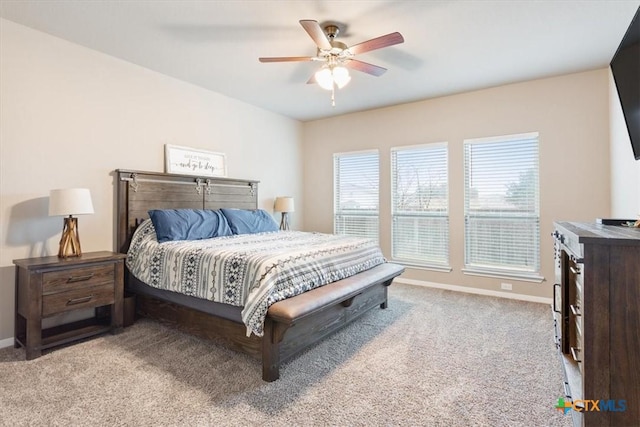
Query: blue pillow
{"points": [[188, 224], [249, 221]]}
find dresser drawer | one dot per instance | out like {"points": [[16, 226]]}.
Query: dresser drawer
{"points": [[575, 292], [578, 274], [578, 351], [81, 297], [577, 305], [77, 278]]}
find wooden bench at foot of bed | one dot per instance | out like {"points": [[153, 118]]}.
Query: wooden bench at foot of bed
{"points": [[292, 325]]}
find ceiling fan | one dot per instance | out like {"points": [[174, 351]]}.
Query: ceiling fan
{"points": [[337, 56]]}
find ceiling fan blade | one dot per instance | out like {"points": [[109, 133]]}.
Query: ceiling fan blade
{"points": [[287, 59], [317, 34], [377, 43], [312, 79], [365, 67]]}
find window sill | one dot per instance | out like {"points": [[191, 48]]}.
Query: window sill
{"points": [[525, 277], [440, 268]]}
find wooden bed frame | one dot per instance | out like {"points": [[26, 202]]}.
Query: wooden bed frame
{"points": [[292, 325]]}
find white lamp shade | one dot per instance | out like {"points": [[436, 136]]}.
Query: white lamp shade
{"points": [[284, 204], [70, 201]]}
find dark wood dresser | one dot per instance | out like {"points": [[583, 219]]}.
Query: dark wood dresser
{"points": [[597, 321]]}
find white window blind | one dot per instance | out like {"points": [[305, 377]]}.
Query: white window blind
{"points": [[356, 179], [502, 208], [420, 205]]}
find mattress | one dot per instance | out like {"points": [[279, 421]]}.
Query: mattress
{"points": [[252, 271]]}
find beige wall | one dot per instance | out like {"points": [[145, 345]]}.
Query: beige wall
{"points": [[70, 116], [570, 113], [625, 170]]}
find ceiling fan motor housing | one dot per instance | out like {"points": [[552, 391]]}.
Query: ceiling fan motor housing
{"points": [[337, 47], [332, 31]]}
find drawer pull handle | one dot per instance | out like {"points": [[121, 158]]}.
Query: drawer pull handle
{"points": [[84, 278], [555, 307], [567, 392], [575, 310], [576, 259], [574, 354], [349, 301], [79, 300], [575, 271]]}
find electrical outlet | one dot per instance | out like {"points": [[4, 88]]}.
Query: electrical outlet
{"points": [[506, 286]]}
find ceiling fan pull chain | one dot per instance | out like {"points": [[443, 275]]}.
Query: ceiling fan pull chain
{"points": [[333, 96]]}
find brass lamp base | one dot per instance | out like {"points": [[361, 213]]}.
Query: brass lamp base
{"points": [[70, 240]]}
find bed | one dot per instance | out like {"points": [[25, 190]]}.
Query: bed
{"points": [[290, 325]]}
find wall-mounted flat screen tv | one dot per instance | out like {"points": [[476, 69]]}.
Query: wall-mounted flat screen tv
{"points": [[625, 67]]}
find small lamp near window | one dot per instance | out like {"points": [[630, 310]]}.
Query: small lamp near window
{"points": [[70, 201], [284, 205]]}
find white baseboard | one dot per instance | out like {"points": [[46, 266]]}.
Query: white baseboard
{"points": [[456, 288], [6, 342]]}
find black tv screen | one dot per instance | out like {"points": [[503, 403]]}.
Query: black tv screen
{"points": [[625, 67]]}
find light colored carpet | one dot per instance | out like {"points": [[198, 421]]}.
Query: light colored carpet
{"points": [[433, 358]]}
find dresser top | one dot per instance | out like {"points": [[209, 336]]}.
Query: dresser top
{"points": [[591, 232]]}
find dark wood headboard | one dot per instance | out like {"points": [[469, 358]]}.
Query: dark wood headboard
{"points": [[138, 192]]}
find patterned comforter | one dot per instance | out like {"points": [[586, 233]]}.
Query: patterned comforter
{"points": [[251, 271]]}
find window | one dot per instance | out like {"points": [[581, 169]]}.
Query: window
{"points": [[420, 206], [356, 178], [502, 207]]}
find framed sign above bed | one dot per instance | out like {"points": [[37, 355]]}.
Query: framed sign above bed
{"points": [[193, 161]]}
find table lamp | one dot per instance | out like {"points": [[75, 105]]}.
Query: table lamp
{"points": [[284, 205], [70, 201]]}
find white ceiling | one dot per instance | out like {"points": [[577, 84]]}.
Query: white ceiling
{"points": [[450, 46]]}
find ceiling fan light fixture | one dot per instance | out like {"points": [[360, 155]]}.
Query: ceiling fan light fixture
{"points": [[327, 76], [324, 78], [341, 76]]}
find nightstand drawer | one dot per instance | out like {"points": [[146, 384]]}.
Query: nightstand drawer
{"points": [[84, 297], [77, 278]]}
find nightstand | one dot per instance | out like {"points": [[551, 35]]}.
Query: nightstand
{"points": [[49, 286]]}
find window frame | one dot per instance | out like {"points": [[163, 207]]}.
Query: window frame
{"points": [[427, 264], [336, 194], [533, 274]]}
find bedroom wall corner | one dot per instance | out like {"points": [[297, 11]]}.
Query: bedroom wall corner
{"points": [[625, 170]]}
